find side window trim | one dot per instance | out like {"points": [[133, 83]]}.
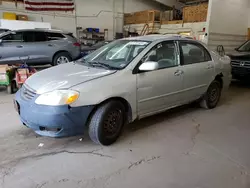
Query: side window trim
{"points": [[196, 44], [136, 69]]}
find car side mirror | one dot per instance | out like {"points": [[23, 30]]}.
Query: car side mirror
{"points": [[148, 66], [1, 41], [236, 49]]}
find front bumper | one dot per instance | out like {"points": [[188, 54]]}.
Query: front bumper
{"points": [[240, 72], [52, 121]]}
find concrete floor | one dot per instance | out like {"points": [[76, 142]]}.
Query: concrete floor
{"points": [[184, 148]]}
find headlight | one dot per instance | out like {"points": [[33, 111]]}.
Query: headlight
{"points": [[58, 97]]}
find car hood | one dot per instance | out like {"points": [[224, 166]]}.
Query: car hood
{"points": [[64, 77], [236, 55]]}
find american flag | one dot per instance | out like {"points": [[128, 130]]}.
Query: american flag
{"points": [[49, 5]]}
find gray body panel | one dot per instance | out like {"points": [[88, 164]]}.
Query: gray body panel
{"points": [[37, 52], [64, 77], [147, 93]]}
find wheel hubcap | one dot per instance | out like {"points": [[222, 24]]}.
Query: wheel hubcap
{"points": [[112, 123], [62, 60], [213, 94]]}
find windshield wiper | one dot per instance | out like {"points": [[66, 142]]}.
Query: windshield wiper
{"points": [[104, 65]]}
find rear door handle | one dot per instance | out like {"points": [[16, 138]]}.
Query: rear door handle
{"points": [[20, 46], [50, 45], [178, 72]]}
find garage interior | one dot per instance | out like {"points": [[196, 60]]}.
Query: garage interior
{"points": [[185, 147]]}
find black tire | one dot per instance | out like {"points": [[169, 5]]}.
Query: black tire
{"points": [[212, 96], [107, 122], [60, 55]]}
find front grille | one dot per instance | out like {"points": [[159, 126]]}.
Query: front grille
{"points": [[27, 93], [242, 64]]}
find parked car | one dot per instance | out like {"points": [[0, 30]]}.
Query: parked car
{"points": [[240, 61], [85, 50], [38, 47], [2, 30], [125, 80]]}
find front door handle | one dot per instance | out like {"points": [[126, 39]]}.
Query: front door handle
{"points": [[178, 73], [50, 45], [19, 46]]}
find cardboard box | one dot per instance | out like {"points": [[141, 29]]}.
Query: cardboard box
{"points": [[9, 16], [4, 68], [196, 13], [22, 17]]}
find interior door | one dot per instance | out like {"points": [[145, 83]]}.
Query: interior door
{"points": [[198, 69], [11, 48], [159, 89]]}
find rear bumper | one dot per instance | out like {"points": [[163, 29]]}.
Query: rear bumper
{"points": [[76, 54], [53, 121]]}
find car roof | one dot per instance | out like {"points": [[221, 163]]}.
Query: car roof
{"points": [[43, 30], [155, 37]]}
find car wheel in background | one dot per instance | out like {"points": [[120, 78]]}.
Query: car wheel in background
{"points": [[106, 123], [212, 96], [61, 58], [12, 88]]}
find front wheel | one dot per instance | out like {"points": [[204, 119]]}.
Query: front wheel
{"points": [[106, 123], [212, 96]]}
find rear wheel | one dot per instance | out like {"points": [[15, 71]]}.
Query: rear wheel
{"points": [[106, 124], [61, 58], [212, 96]]}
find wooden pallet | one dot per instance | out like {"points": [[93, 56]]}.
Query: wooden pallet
{"points": [[172, 22], [197, 13], [148, 16]]}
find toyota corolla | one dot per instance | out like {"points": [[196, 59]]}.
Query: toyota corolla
{"points": [[125, 80]]}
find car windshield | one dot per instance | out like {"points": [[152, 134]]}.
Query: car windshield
{"points": [[245, 47], [115, 55]]}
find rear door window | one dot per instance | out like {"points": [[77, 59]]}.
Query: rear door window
{"points": [[55, 36], [193, 53], [31, 36], [40, 37]]}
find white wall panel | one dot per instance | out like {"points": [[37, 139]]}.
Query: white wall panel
{"points": [[227, 23]]}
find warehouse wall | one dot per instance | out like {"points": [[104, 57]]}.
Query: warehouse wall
{"points": [[170, 3], [248, 14], [227, 23], [196, 29], [104, 14]]}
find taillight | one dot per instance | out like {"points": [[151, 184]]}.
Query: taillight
{"points": [[77, 44]]}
